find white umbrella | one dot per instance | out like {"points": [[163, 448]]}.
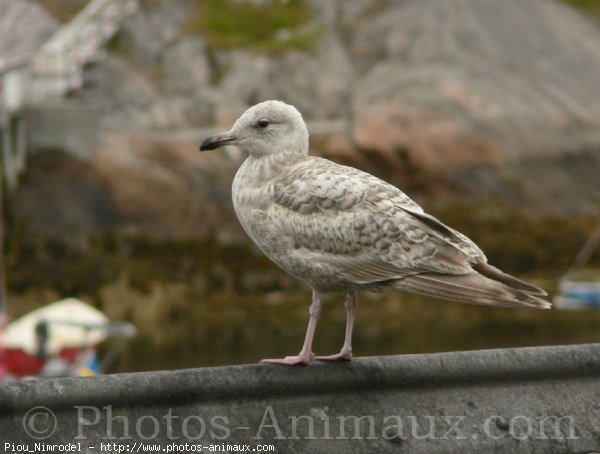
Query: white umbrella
{"points": [[71, 323]]}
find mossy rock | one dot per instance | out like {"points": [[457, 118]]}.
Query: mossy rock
{"points": [[265, 26]]}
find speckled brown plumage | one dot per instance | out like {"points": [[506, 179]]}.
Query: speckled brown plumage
{"points": [[340, 229]]}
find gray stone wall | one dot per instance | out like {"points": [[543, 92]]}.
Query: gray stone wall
{"points": [[66, 127]]}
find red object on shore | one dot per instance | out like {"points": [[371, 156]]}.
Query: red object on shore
{"points": [[20, 363]]}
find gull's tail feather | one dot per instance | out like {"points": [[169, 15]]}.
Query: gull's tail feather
{"points": [[495, 274], [494, 288]]}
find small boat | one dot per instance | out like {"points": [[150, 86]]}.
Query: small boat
{"points": [[59, 339], [577, 289]]}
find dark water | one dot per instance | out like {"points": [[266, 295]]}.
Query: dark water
{"points": [[206, 301], [234, 329]]}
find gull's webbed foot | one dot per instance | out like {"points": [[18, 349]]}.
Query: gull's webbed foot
{"points": [[291, 360], [343, 355]]}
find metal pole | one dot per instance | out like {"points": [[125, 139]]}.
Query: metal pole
{"points": [[584, 254], [21, 145]]}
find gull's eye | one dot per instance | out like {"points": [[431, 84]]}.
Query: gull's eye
{"points": [[263, 123]]}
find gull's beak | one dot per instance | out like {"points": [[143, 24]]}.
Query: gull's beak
{"points": [[220, 140]]}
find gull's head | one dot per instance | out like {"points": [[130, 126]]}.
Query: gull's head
{"points": [[268, 128]]}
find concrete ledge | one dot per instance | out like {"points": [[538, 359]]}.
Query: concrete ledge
{"points": [[544, 399]]}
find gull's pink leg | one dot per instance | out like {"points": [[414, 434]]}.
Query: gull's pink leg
{"points": [[306, 353], [345, 353]]}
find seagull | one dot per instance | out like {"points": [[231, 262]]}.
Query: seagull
{"points": [[340, 229]]}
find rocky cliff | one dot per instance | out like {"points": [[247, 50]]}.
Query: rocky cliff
{"points": [[486, 112], [471, 100], [465, 98]]}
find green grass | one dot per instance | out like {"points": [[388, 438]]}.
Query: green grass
{"points": [[267, 26], [590, 6]]}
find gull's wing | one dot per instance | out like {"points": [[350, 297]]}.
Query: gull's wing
{"points": [[366, 228]]}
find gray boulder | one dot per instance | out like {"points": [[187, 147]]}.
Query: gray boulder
{"points": [[317, 83], [185, 66], [477, 81], [153, 28], [124, 104]]}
